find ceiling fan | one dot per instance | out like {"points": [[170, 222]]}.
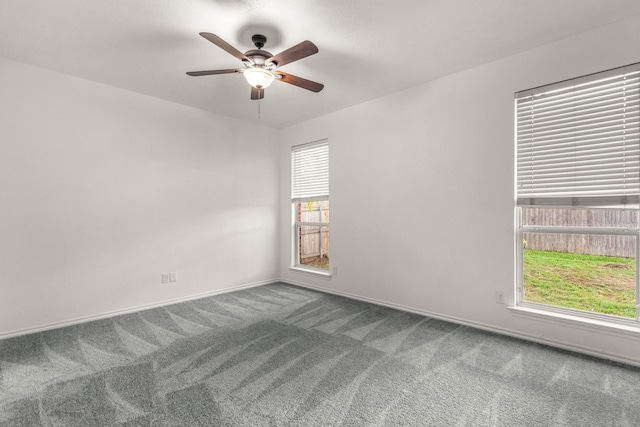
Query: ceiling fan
{"points": [[261, 67]]}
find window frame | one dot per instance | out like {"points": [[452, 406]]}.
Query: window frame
{"points": [[296, 236], [606, 231], [315, 195], [570, 199]]}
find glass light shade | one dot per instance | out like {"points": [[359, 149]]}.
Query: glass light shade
{"points": [[258, 77]]}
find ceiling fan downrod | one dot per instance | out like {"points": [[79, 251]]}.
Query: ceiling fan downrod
{"points": [[259, 40]]}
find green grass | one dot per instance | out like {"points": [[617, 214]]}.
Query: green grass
{"points": [[599, 284]]}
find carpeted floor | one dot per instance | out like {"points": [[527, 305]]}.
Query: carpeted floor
{"points": [[279, 355]]}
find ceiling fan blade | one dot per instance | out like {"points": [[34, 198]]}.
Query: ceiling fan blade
{"points": [[257, 93], [226, 46], [299, 51], [210, 72], [300, 82]]}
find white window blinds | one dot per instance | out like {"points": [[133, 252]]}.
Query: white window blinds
{"points": [[578, 141], [310, 171]]}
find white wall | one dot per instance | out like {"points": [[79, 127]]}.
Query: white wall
{"points": [[422, 192], [102, 190]]}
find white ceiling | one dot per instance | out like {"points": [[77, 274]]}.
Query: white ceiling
{"points": [[367, 48]]}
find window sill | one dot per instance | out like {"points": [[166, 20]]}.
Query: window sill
{"points": [[623, 326], [312, 271]]}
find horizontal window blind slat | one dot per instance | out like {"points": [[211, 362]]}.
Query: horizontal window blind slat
{"points": [[624, 137], [583, 170], [584, 181], [584, 189], [566, 169], [535, 149], [624, 200], [544, 171], [627, 138], [583, 166], [577, 155], [316, 198], [628, 181], [561, 179]]}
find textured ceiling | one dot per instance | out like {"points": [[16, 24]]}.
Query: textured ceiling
{"points": [[367, 48]]}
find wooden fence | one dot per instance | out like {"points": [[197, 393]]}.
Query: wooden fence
{"points": [[314, 240], [592, 244]]}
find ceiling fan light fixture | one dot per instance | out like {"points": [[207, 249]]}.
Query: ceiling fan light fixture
{"points": [[258, 77]]}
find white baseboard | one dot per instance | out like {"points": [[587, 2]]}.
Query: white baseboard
{"points": [[514, 334], [109, 314]]}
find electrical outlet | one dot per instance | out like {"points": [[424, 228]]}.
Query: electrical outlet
{"points": [[173, 277], [499, 297], [164, 278], [335, 271]]}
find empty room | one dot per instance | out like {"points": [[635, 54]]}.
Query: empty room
{"points": [[317, 213]]}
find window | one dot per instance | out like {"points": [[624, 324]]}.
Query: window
{"points": [[578, 189], [310, 205]]}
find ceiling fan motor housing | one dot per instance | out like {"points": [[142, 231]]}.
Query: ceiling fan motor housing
{"points": [[258, 57]]}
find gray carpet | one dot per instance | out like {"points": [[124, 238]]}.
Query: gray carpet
{"points": [[279, 355]]}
